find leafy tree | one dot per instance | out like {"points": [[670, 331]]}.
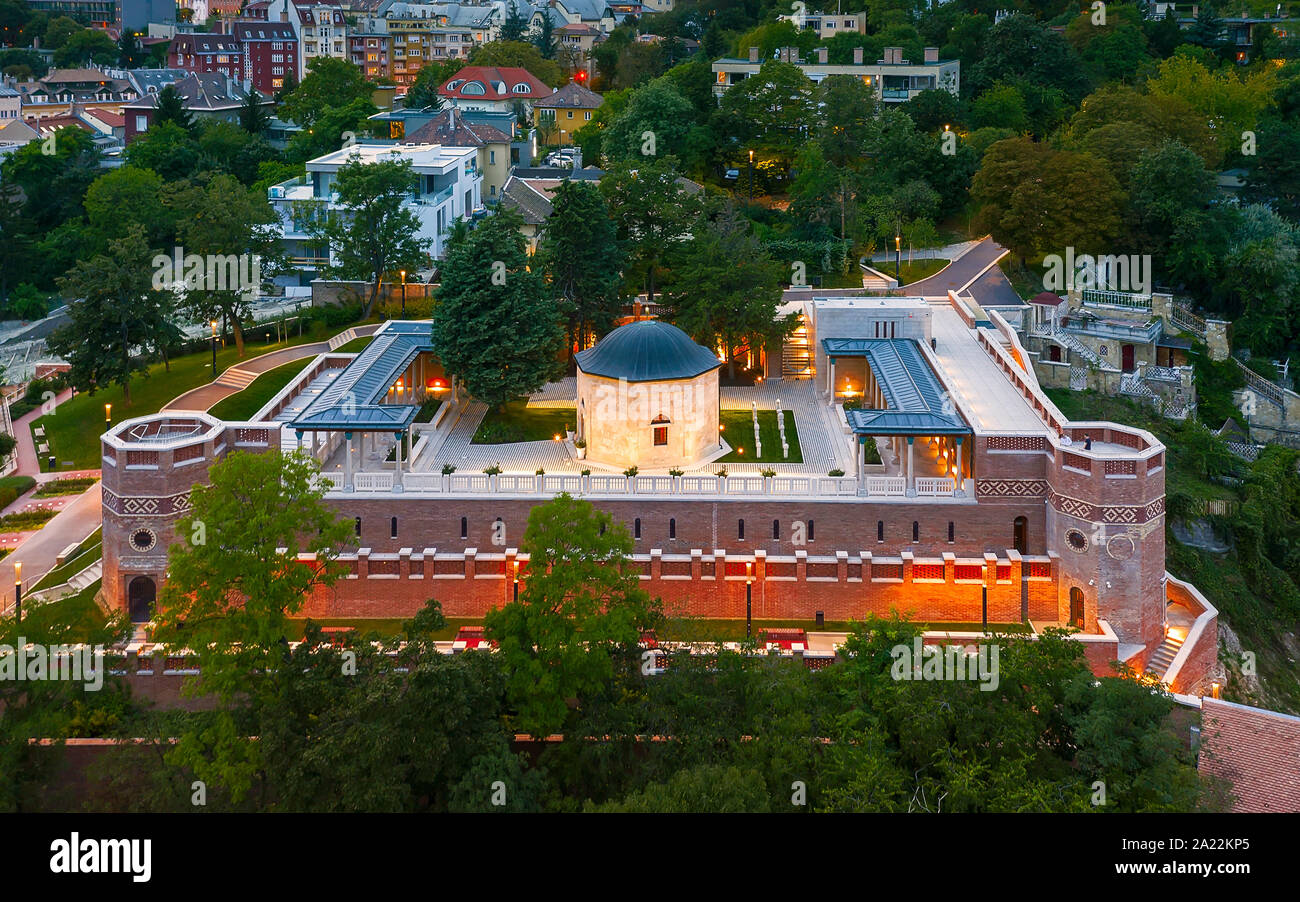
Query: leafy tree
{"points": [[493, 326], [580, 613], [330, 84], [326, 132], [518, 54], [1224, 102], [53, 183], [232, 583], [223, 220], [772, 109], [638, 63], [253, 117], [1002, 106], [1169, 186], [581, 261], [1274, 172], [127, 196], [115, 308], [653, 211], [712, 789], [60, 30], [16, 239], [167, 149], [726, 289], [1019, 47], [657, 109], [933, 109], [372, 233]]}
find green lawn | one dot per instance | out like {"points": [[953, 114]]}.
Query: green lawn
{"points": [[738, 430], [76, 618], [89, 551], [74, 427], [253, 397], [916, 270], [520, 423], [355, 346]]}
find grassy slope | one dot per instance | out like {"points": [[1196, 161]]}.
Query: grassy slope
{"points": [[243, 404], [74, 427]]}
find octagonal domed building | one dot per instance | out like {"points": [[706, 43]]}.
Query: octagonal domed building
{"points": [[648, 397]]}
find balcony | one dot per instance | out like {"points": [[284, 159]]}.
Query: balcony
{"points": [[1121, 330]]}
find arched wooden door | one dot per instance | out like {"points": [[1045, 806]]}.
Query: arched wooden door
{"points": [[141, 593], [1076, 607]]}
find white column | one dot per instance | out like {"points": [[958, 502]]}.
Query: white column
{"points": [[347, 462], [911, 468], [397, 456]]}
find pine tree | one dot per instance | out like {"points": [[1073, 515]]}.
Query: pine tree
{"points": [[544, 39], [253, 117], [171, 108], [582, 262], [493, 326], [514, 26]]}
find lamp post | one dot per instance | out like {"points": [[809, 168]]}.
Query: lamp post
{"points": [[749, 600], [108, 417], [403, 294], [214, 348], [18, 591], [751, 176], [898, 256], [984, 600]]}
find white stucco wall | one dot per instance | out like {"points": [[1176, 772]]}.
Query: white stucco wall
{"points": [[617, 420]]}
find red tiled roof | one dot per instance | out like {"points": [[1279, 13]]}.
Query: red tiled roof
{"points": [[497, 84], [1256, 751]]}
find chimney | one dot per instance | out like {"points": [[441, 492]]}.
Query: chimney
{"points": [[753, 54], [857, 56], [822, 53], [932, 54]]}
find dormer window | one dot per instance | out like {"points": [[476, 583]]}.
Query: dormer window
{"points": [[522, 88]]}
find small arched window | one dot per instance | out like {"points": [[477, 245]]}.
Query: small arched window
{"points": [[392, 528], [636, 528], [776, 529], [880, 530], [672, 527], [740, 529], [357, 521], [464, 527], [916, 531]]}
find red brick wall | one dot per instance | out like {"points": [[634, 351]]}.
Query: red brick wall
{"points": [[1255, 750]]}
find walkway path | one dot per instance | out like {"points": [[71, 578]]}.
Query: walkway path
{"points": [[952, 252], [237, 377], [40, 551], [959, 273], [28, 463]]}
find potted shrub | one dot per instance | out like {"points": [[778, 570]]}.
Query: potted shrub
{"points": [[836, 472], [448, 469], [581, 447]]}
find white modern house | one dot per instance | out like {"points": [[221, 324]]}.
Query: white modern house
{"points": [[449, 188]]}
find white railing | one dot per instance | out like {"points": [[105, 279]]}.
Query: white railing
{"points": [[557, 484], [792, 485], [1161, 373], [701, 485], [372, 482], [744, 485], [1128, 299], [613, 485], [604, 484], [931, 486], [470, 482], [887, 486], [422, 482], [653, 485]]}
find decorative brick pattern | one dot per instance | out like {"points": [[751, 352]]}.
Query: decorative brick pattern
{"points": [[189, 452], [1011, 488], [1015, 443], [1121, 467]]}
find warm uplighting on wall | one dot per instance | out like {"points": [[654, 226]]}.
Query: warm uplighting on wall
{"points": [[1214, 689], [437, 385]]}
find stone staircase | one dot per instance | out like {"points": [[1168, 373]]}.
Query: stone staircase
{"points": [[1065, 338], [1164, 656], [1135, 385], [236, 378]]}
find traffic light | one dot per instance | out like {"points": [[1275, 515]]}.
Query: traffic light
{"points": [[580, 76]]}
